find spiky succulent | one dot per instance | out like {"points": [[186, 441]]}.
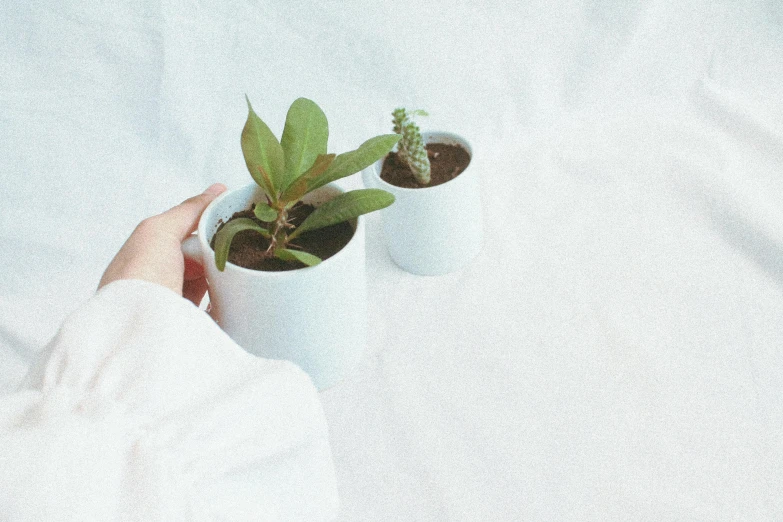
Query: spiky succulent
{"points": [[298, 164], [410, 148]]}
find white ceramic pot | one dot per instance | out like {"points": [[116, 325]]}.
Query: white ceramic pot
{"points": [[314, 316], [433, 230]]}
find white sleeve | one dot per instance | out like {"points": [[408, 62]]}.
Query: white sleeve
{"points": [[143, 409]]}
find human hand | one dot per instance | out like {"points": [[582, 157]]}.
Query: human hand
{"points": [[153, 252]]}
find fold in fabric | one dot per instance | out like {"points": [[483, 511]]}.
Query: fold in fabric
{"points": [[141, 408]]}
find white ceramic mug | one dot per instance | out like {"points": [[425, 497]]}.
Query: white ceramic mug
{"points": [[314, 316], [433, 230]]}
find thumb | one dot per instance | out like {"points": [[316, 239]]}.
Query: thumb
{"points": [[182, 219]]}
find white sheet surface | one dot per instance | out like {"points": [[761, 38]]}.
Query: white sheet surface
{"points": [[615, 352]]}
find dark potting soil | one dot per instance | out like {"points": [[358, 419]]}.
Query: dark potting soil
{"points": [[446, 163], [248, 247]]}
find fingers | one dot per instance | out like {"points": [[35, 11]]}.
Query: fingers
{"points": [[181, 220], [153, 252], [193, 270], [194, 290], [194, 285]]}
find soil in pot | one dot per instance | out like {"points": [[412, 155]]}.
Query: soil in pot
{"points": [[248, 247], [446, 163]]}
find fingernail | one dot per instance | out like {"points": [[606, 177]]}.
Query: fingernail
{"points": [[215, 189]]}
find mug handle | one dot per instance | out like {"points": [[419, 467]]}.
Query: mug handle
{"points": [[191, 249]]}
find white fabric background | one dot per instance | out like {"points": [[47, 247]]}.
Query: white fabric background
{"points": [[615, 352]]}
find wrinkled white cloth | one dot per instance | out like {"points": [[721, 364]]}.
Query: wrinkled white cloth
{"points": [[615, 353], [141, 408]]}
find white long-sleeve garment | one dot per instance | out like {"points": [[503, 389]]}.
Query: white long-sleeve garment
{"points": [[141, 408]]}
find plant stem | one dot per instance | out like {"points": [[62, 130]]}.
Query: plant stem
{"points": [[278, 233]]}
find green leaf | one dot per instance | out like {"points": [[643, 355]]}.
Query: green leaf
{"points": [[344, 207], [352, 162], [299, 187], [304, 138], [265, 182], [263, 153], [264, 212], [226, 234], [296, 255]]}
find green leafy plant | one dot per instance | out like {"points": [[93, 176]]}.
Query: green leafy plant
{"points": [[288, 169], [411, 148]]}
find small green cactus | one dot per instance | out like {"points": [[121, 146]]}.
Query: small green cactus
{"points": [[410, 148]]}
